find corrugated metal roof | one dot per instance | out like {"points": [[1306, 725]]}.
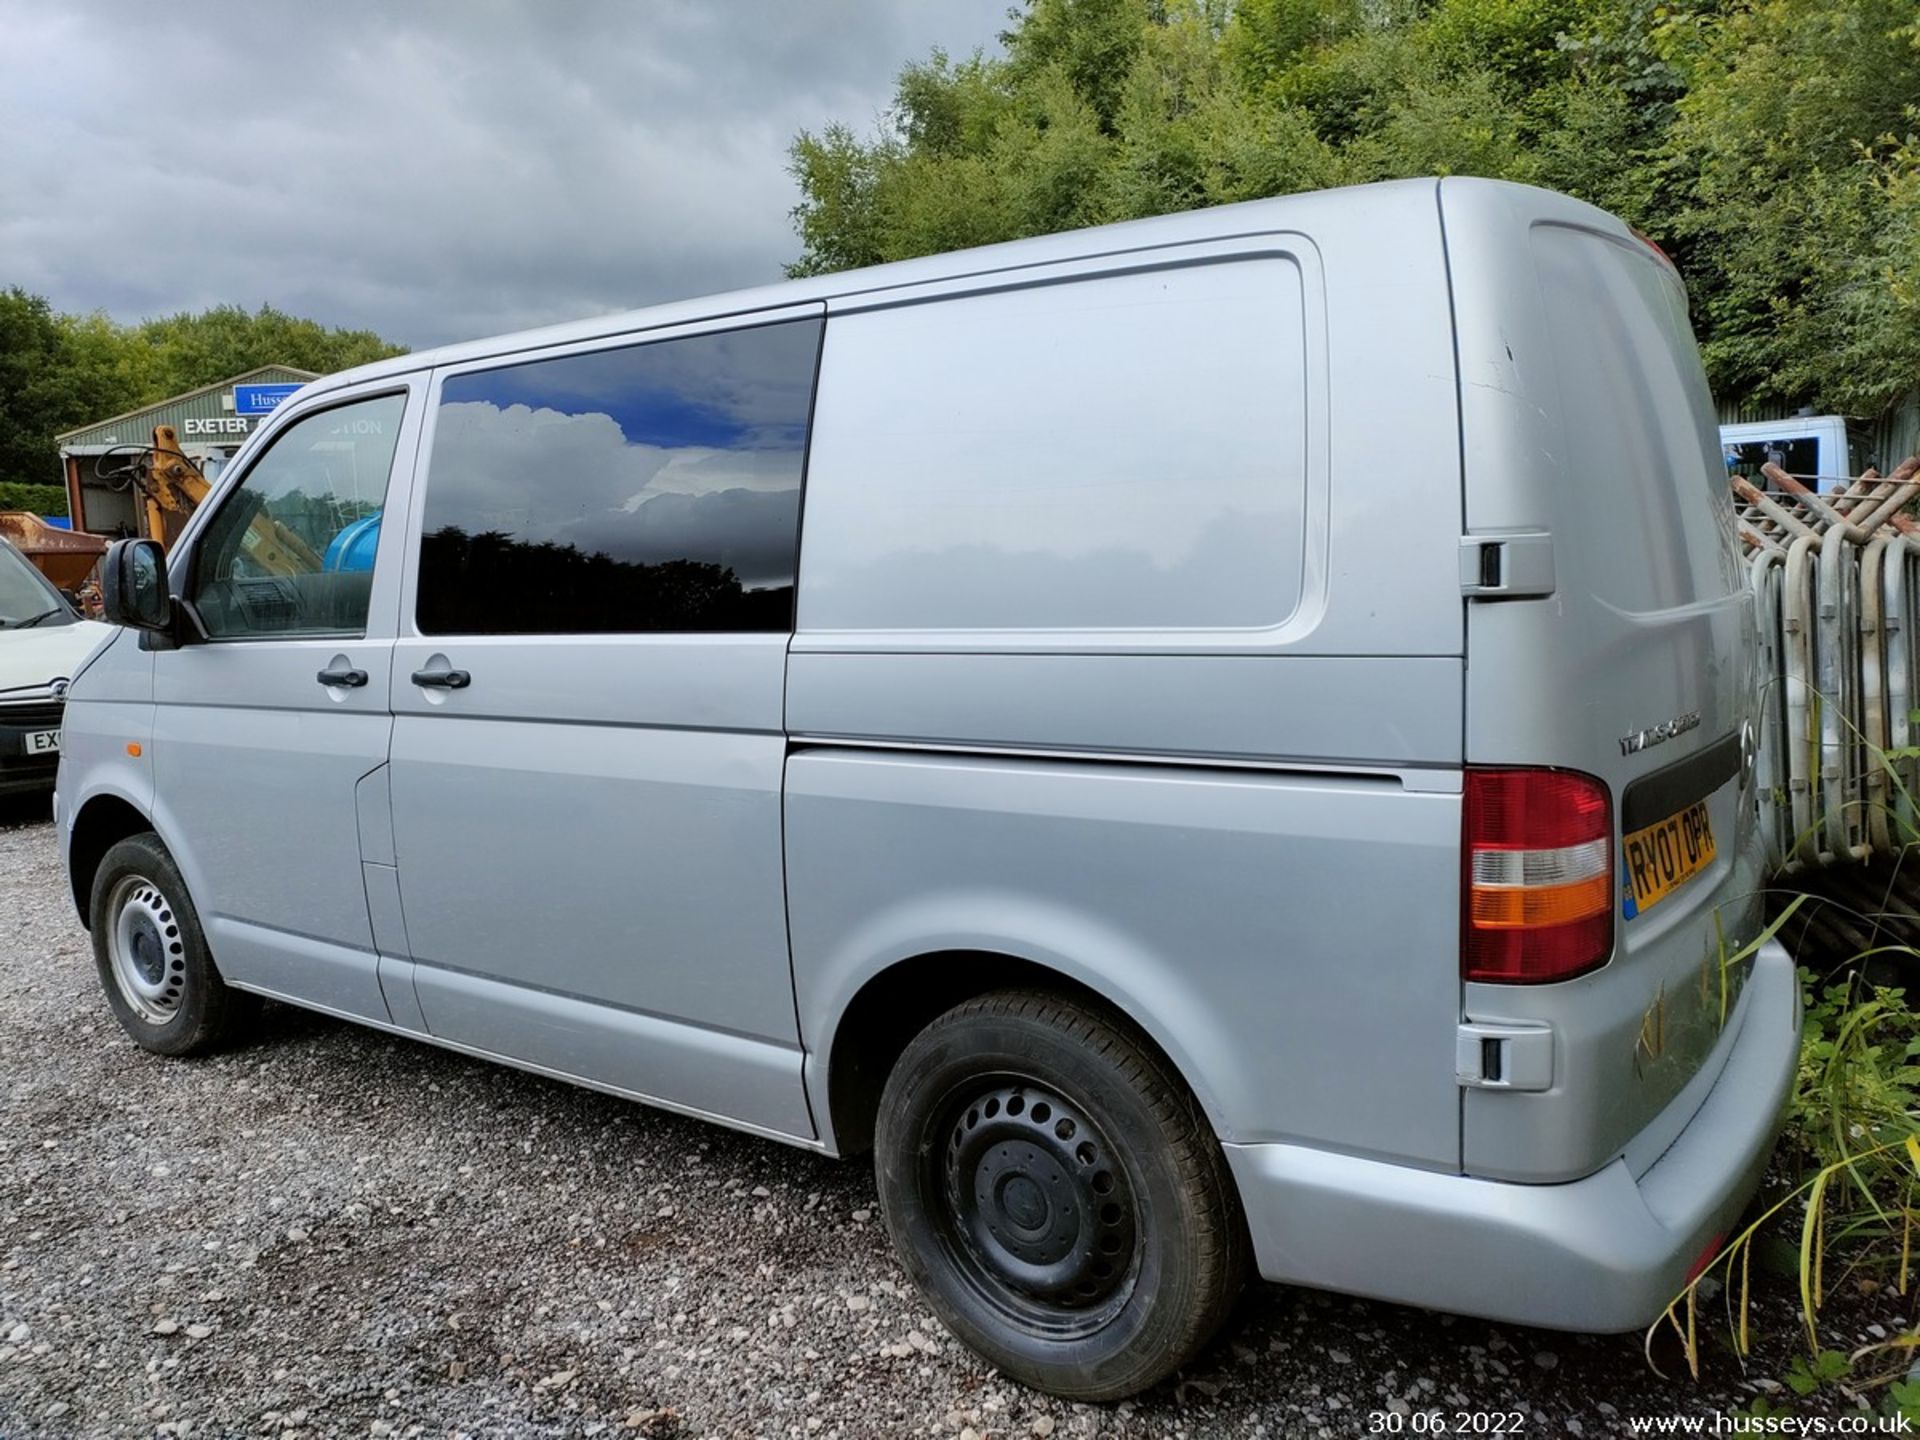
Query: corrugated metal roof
{"points": [[136, 426]]}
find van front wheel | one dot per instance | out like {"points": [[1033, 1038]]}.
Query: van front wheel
{"points": [[1057, 1195], [153, 959]]}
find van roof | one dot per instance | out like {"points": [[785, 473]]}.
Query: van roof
{"points": [[1249, 217]]}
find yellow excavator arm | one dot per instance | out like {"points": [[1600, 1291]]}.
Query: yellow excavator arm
{"points": [[175, 486]]}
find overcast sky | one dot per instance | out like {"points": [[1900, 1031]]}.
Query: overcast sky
{"points": [[432, 170]]}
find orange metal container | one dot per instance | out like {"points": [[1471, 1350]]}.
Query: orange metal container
{"points": [[66, 557]]}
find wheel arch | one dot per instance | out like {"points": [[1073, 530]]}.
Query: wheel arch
{"points": [[103, 821], [896, 1002]]}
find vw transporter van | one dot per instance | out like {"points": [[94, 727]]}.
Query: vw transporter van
{"points": [[1215, 746]]}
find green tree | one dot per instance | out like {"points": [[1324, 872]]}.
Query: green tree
{"points": [[188, 350], [1091, 45], [1798, 138], [43, 389], [61, 371], [1771, 146]]}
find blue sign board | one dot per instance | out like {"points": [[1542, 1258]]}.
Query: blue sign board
{"points": [[259, 399]]}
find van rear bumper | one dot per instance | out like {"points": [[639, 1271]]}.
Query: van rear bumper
{"points": [[1606, 1253]]}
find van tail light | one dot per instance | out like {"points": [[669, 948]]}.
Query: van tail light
{"points": [[1705, 1258], [1659, 254], [1539, 876]]}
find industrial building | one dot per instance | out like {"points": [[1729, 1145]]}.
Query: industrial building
{"points": [[211, 423]]}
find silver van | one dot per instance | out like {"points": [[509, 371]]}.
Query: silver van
{"points": [[1212, 745]]}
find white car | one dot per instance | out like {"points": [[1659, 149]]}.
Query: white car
{"points": [[43, 643]]}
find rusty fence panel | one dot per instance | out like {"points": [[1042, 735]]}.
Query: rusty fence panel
{"points": [[1834, 580]]}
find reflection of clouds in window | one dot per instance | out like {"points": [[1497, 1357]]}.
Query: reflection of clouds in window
{"points": [[742, 390], [750, 532], [651, 487], [575, 479]]}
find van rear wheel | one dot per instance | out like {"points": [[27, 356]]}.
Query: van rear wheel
{"points": [[1057, 1195], [153, 959]]}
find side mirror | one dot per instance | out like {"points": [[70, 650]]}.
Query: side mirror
{"points": [[133, 586]]}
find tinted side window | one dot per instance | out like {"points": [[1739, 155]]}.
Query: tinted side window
{"points": [[1112, 453], [291, 550], [654, 487]]}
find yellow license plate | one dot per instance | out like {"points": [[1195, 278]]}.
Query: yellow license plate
{"points": [[1664, 856]]}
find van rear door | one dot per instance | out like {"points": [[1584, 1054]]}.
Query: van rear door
{"points": [[1608, 633]]}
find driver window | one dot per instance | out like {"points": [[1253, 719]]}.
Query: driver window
{"points": [[291, 551]]}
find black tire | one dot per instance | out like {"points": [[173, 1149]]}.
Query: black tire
{"points": [[170, 998], [1057, 1195]]}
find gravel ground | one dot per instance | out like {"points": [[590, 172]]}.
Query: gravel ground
{"points": [[334, 1232]]}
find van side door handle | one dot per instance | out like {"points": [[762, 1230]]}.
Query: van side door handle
{"points": [[343, 676], [443, 679]]}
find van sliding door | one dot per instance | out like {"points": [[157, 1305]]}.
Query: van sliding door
{"points": [[588, 744]]}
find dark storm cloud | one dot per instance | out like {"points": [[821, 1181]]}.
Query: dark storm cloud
{"points": [[435, 170]]}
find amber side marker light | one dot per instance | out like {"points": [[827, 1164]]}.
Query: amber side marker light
{"points": [[133, 749], [1538, 901]]}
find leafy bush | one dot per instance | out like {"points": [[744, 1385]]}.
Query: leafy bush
{"points": [[40, 499]]}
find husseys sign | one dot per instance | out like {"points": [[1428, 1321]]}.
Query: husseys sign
{"points": [[249, 403]]}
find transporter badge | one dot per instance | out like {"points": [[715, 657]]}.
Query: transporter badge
{"points": [[1658, 734]]}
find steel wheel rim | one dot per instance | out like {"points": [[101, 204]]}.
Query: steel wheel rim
{"points": [[145, 950], [1035, 1208]]}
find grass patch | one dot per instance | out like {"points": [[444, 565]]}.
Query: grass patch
{"points": [[1849, 1157]]}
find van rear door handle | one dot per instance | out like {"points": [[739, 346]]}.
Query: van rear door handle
{"points": [[1507, 565], [350, 678], [443, 679]]}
